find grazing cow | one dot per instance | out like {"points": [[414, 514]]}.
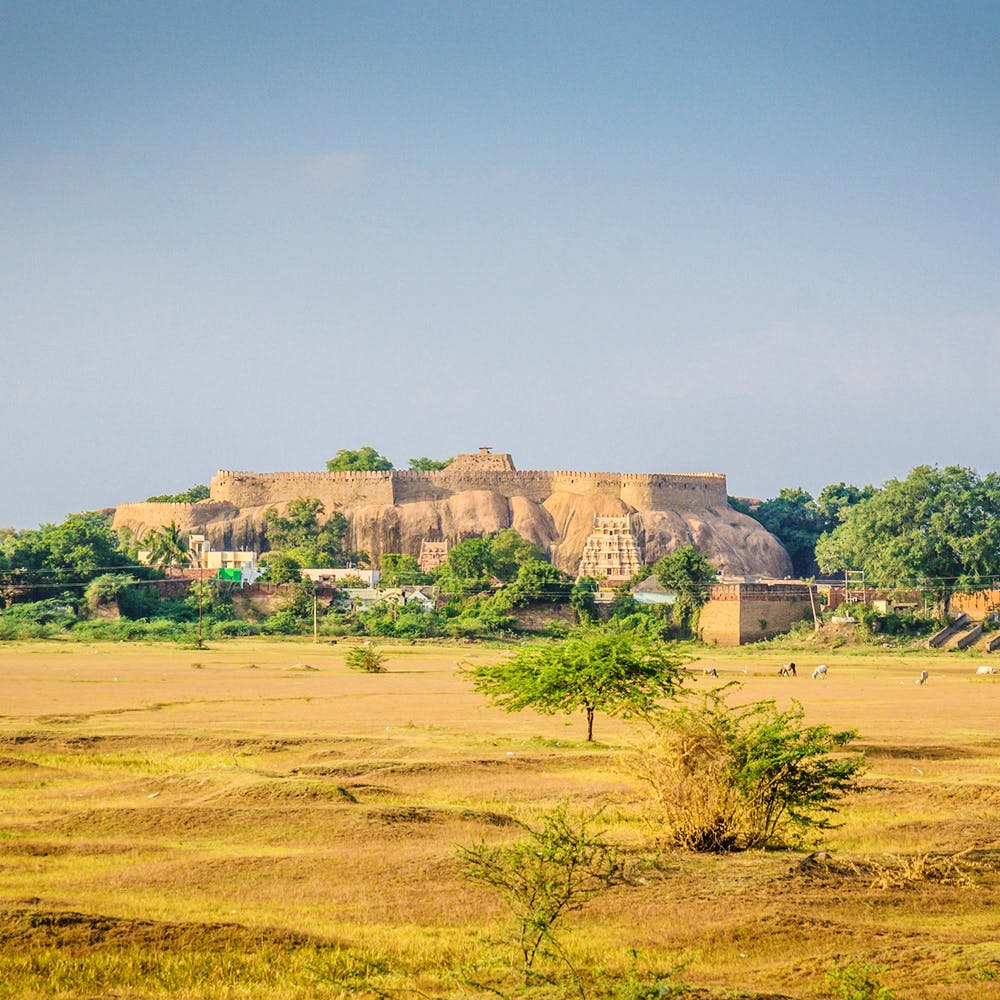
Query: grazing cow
{"points": [[922, 679], [982, 671], [787, 670], [820, 672]]}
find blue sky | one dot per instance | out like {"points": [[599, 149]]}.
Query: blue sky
{"points": [[757, 239]]}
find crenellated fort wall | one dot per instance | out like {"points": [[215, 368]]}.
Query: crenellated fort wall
{"points": [[657, 491], [396, 510]]}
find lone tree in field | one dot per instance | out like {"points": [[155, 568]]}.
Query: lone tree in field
{"points": [[618, 674]]}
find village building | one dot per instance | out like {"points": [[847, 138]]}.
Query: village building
{"points": [[331, 576], [741, 612], [203, 556], [423, 598]]}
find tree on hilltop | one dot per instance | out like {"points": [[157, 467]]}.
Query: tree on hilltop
{"points": [[192, 495], [424, 464], [365, 459]]}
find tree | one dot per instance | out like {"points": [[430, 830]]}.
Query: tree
{"points": [[835, 501], [687, 572], [167, 547], [365, 459], [798, 521], [281, 568], [619, 674], [467, 569], [581, 599], [730, 778], [67, 554], [424, 464], [539, 581], [551, 871], [398, 570], [938, 528], [509, 552], [191, 495], [793, 517], [299, 534]]}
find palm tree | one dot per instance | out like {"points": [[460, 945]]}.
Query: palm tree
{"points": [[168, 547]]}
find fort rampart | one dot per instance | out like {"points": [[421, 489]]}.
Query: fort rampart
{"points": [[145, 515], [657, 491]]}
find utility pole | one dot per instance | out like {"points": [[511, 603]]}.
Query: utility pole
{"points": [[812, 601], [315, 626], [201, 597]]}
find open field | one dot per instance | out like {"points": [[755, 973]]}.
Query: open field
{"points": [[255, 820]]}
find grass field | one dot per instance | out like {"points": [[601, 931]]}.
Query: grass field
{"points": [[255, 820]]}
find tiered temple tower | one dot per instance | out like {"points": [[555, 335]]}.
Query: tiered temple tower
{"points": [[611, 552]]}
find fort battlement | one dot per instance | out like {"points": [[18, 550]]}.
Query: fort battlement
{"points": [[140, 517], [650, 491]]}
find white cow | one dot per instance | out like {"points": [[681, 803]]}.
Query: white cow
{"points": [[922, 679], [820, 672], [982, 671]]}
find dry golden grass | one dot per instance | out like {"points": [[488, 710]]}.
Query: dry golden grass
{"points": [[230, 823]]}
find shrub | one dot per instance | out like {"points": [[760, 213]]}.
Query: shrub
{"points": [[729, 778], [858, 981], [553, 870], [366, 659], [234, 628], [282, 622], [57, 611]]}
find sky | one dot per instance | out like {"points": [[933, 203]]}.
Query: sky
{"points": [[757, 239]]}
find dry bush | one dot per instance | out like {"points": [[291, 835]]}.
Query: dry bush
{"points": [[728, 778], [898, 872]]}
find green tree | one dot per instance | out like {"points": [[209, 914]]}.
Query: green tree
{"points": [[398, 570], [687, 572], [468, 568], [938, 528], [424, 464], [793, 517], [281, 568], [619, 674], [581, 599], [70, 553], [730, 778], [365, 459], [798, 521], [539, 581], [191, 495], [299, 534], [509, 552], [835, 501], [167, 547]]}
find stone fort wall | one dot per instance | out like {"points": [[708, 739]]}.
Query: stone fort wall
{"points": [[657, 491], [140, 517]]}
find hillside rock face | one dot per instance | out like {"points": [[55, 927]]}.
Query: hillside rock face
{"points": [[479, 495]]}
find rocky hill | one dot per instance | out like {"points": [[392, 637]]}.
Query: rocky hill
{"points": [[479, 494]]}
